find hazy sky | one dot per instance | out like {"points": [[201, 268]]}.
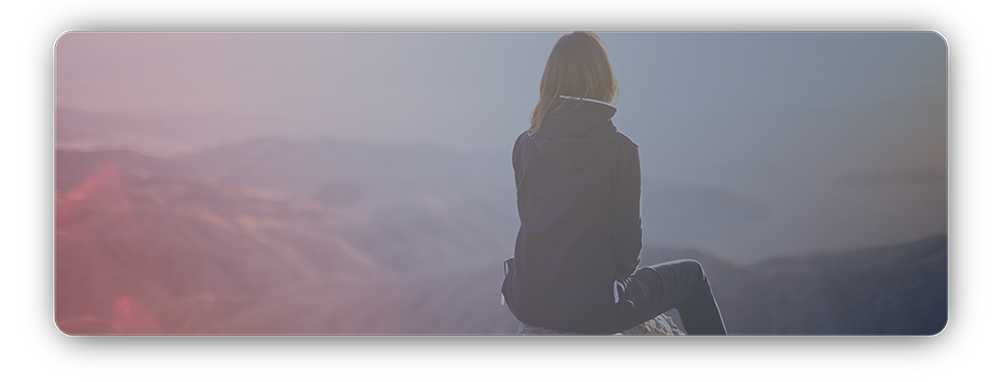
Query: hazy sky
{"points": [[757, 97], [842, 133]]}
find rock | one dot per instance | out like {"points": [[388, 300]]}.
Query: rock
{"points": [[662, 325]]}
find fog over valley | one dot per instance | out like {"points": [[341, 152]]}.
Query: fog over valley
{"points": [[322, 237]]}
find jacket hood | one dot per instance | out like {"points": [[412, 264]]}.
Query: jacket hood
{"points": [[574, 131]]}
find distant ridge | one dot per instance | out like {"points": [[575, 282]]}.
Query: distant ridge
{"points": [[889, 290], [275, 236]]}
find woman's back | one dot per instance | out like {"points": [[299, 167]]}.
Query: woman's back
{"points": [[578, 200]]}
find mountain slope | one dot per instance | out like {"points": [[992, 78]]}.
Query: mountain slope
{"points": [[884, 291], [274, 236]]}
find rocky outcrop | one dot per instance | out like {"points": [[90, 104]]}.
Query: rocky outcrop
{"points": [[662, 325]]}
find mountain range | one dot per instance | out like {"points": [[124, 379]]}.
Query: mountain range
{"points": [[279, 236]]}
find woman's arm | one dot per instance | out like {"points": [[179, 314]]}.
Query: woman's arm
{"points": [[626, 225]]}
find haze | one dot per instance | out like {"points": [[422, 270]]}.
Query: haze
{"points": [[754, 144]]}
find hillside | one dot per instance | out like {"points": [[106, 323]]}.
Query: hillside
{"points": [[292, 237], [878, 291]]}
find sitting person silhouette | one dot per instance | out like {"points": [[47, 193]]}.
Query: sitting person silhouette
{"points": [[577, 251]]}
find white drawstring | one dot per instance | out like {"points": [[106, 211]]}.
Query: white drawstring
{"points": [[506, 270], [615, 286]]}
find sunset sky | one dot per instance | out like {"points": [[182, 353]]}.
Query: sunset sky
{"points": [[842, 133]]}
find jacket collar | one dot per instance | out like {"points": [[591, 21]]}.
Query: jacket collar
{"points": [[575, 131], [589, 100]]}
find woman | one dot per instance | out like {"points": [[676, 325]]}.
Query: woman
{"points": [[575, 258]]}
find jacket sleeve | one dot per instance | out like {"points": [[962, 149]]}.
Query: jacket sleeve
{"points": [[626, 234], [515, 157]]}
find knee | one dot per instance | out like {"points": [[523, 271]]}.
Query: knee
{"points": [[696, 274], [693, 267], [682, 272]]}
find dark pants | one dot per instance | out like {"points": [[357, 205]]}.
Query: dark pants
{"points": [[678, 284]]}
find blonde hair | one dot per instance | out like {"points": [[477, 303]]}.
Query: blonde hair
{"points": [[577, 67]]}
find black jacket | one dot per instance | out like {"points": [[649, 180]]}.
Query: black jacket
{"points": [[578, 189]]}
